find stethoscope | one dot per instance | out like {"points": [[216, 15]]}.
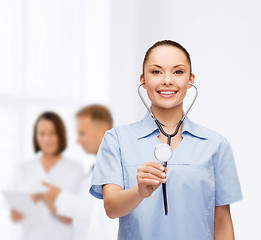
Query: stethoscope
{"points": [[163, 151]]}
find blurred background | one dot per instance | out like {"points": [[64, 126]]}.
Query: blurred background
{"points": [[61, 55]]}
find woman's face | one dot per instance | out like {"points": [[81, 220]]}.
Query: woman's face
{"points": [[167, 77], [46, 137]]}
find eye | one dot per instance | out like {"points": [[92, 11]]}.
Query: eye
{"points": [[155, 72], [40, 134], [178, 72]]}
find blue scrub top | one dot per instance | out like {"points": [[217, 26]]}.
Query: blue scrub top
{"points": [[201, 175]]}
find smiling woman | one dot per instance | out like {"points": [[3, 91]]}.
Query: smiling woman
{"points": [[201, 175], [49, 134], [49, 138], [166, 62]]}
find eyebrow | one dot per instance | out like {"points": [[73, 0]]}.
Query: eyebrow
{"points": [[173, 66]]}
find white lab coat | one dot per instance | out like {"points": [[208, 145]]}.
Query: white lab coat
{"points": [[90, 219], [65, 174]]}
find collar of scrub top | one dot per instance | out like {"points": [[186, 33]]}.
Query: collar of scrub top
{"points": [[149, 126]]}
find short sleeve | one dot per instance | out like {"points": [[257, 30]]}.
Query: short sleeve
{"points": [[108, 166], [227, 186]]}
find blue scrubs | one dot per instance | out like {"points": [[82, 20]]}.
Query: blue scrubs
{"points": [[201, 175]]}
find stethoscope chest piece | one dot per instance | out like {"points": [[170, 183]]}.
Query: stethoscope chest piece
{"points": [[163, 152]]}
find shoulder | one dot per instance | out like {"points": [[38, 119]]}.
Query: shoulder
{"points": [[210, 135], [29, 164], [71, 164], [126, 130]]}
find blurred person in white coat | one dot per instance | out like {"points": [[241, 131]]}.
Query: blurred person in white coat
{"points": [[49, 165], [89, 217]]}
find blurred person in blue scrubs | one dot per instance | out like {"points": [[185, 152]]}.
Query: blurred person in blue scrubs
{"points": [[88, 214], [201, 175], [49, 140]]}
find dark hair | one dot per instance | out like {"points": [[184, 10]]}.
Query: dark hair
{"points": [[166, 43], [59, 128], [97, 112]]}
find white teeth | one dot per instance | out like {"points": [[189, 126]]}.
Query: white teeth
{"points": [[167, 92]]}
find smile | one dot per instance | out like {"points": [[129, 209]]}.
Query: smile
{"points": [[167, 92]]}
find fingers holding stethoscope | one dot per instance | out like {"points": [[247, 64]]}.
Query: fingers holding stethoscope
{"points": [[153, 170], [149, 176]]}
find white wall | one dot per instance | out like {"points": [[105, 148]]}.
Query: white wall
{"points": [[94, 50]]}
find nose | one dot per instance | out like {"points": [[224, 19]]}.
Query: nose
{"points": [[47, 139], [167, 80]]}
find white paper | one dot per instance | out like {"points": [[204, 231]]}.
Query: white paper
{"points": [[21, 202]]}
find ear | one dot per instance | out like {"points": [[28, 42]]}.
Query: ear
{"points": [[191, 79], [103, 129], [100, 127], [142, 81]]}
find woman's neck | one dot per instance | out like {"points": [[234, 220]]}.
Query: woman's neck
{"points": [[168, 117], [49, 160]]}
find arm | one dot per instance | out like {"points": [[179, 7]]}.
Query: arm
{"points": [[53, 210], [74, 206], [223, 226], [119, 202], [49, 199], [75, 179]]}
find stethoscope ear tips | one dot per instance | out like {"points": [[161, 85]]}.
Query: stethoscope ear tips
{"points": [[163, 152]]}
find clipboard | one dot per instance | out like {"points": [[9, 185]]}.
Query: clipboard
{"points": [[21, 202]]}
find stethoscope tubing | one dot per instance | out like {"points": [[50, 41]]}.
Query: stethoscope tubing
{"points": [[169, 136], [185, 114]]}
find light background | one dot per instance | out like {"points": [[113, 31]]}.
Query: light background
{"points": [[63, 54]]}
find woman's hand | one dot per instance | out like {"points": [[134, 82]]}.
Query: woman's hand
{"points": [[49, 199], [16, 216], [150, 175], [35, 198], [119, 202]]}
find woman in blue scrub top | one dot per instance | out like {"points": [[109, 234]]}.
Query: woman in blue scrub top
{"points": [[201, 175]]}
